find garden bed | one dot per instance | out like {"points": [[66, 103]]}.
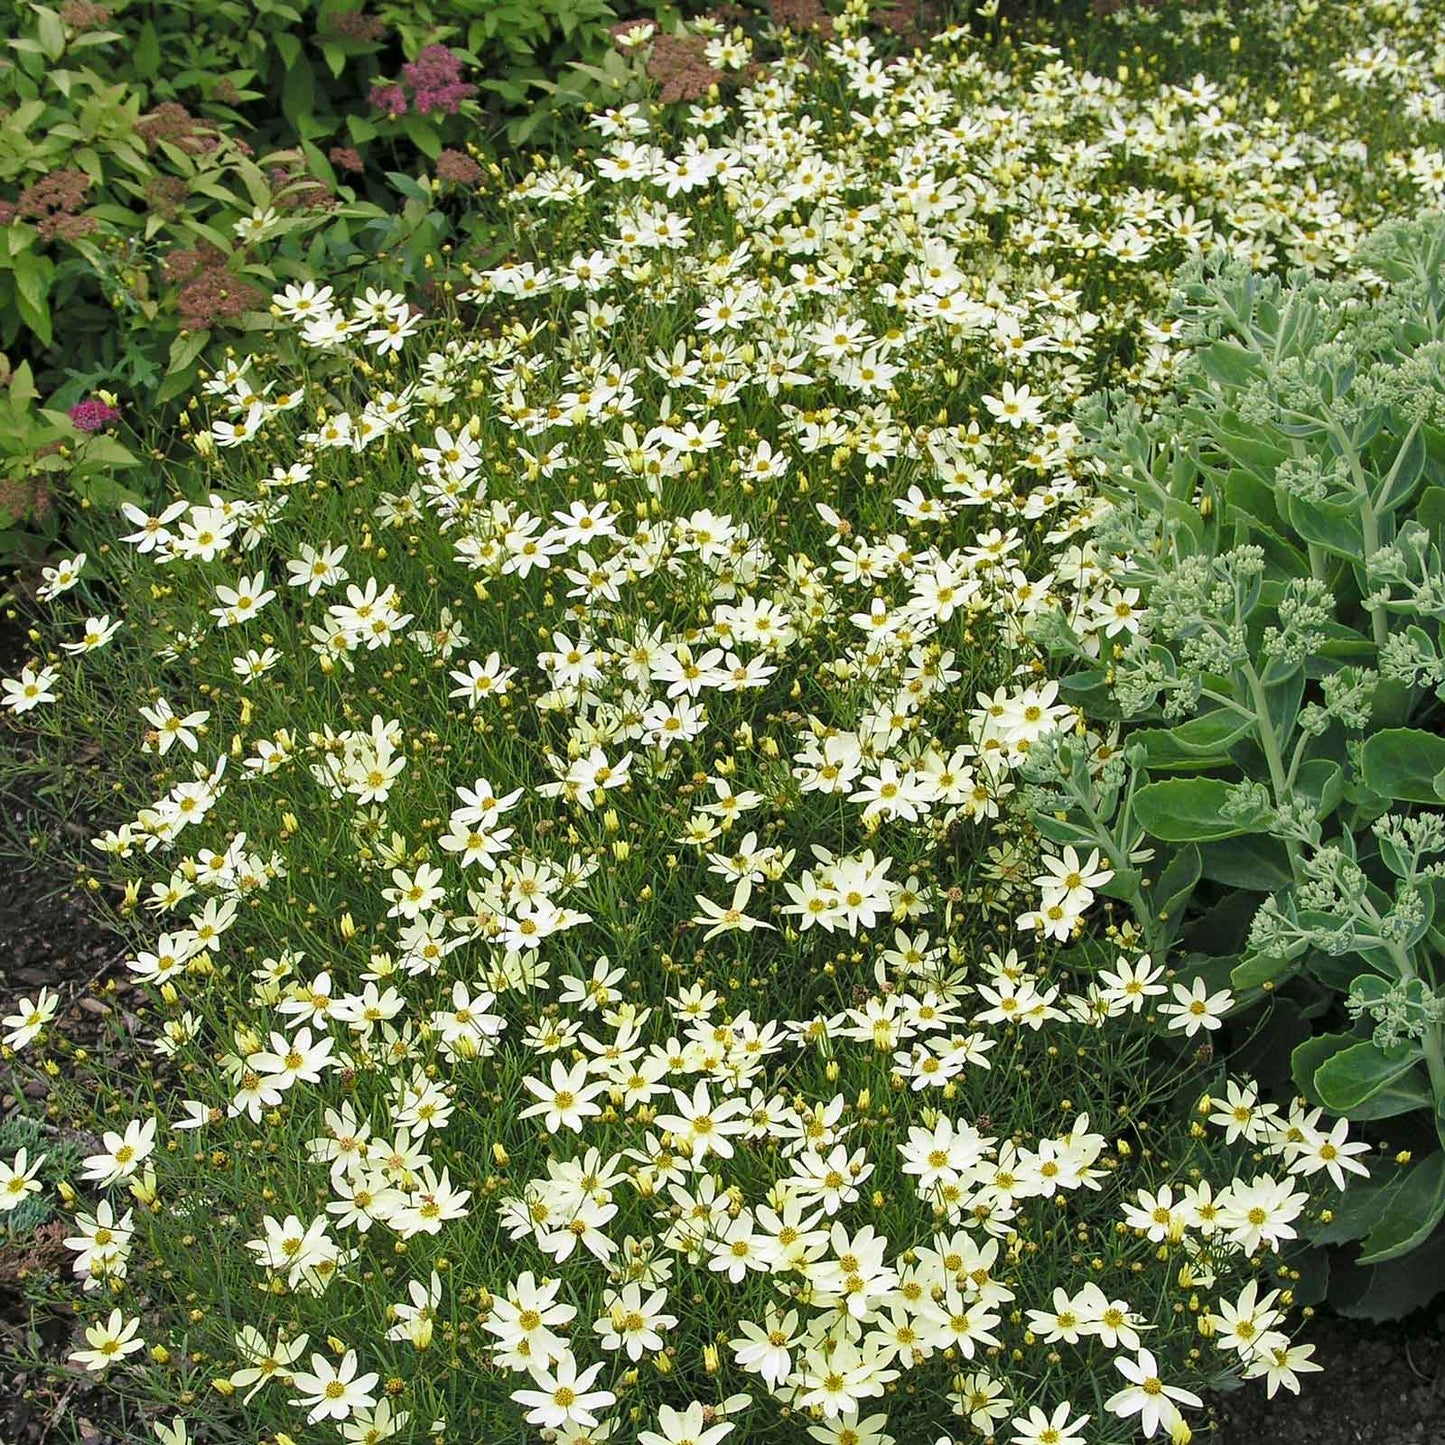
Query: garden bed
{"points": [[804, 809], [1382, 1384]]}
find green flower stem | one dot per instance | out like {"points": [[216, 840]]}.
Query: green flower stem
{"points": [[1269, 743], [1432, 1043], [1369, 525]]}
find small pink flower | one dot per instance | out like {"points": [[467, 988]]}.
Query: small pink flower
{"points": [[390, 98], [92, 414]]}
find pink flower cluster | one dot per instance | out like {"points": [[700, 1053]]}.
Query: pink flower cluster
{"points": [[435, 81], [92, 414]]}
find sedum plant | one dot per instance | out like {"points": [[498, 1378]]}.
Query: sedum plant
{"points": [[1277, 530]]}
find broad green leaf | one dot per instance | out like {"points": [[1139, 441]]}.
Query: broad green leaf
{"points": [[288, 47], [50, 31], [1391, 1290], [1430, 513], [1245, 491], [1175, 885], [1404, 475], [1199, 742], [1357, 1210], [298, 93], [1061, 830], [146, 55], [1322, 781], [1259, 969], [1407, 1094], [335, 57], [1412, 1213], [32, 292], [1350, 1077], [1283, 695], [1331, 525], [186, 347], [1190, 810], [423, 134], [1305, 1061], [1403, 763]]}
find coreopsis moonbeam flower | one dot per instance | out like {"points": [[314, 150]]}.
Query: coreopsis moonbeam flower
{"points": [[765, 1349], [1112, 1320], [316, 568], [1247, 1325], [943, 1154], [730, 917], [1068, 880], [294, 1060], [831, 1180], [1282, 1365], [1260, 1212], [1240, 1113], [98, 631], [252, 664], [151, 534], [564, 1395], [1329, 1151], [18, 1181], [332, 1392], [1195, 1008], [30, 690], [240, 603], [633, 1324], [738, 1248], [981, 1400], [416, 1317], [1015, 406], [567, 1099], [705, 1127], [1064, 1322], [122, 1154], [109, 1342], [858, 1273], [379, 1422], [61, 577], [479, 680], [434, 1202], [414, 893], [171, 728], [24, 1026], [264, 1362], [837, 1379], [1056, 1428], [1147, 1396], [1157, 1215], [102, 1246], [392, 333], [290, 1245], [1131, 985], [296, 302], [684, 1427]]}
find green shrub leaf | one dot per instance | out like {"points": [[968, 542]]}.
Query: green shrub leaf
{"points": [[1191, 810], [1413, 1211], [1348, 1078], [1403, 763]]}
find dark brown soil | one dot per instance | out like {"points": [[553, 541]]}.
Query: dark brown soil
{"points": [[1381, 1385]]}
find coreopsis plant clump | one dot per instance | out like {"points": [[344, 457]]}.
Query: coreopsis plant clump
{"points": [[602, 987]]}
